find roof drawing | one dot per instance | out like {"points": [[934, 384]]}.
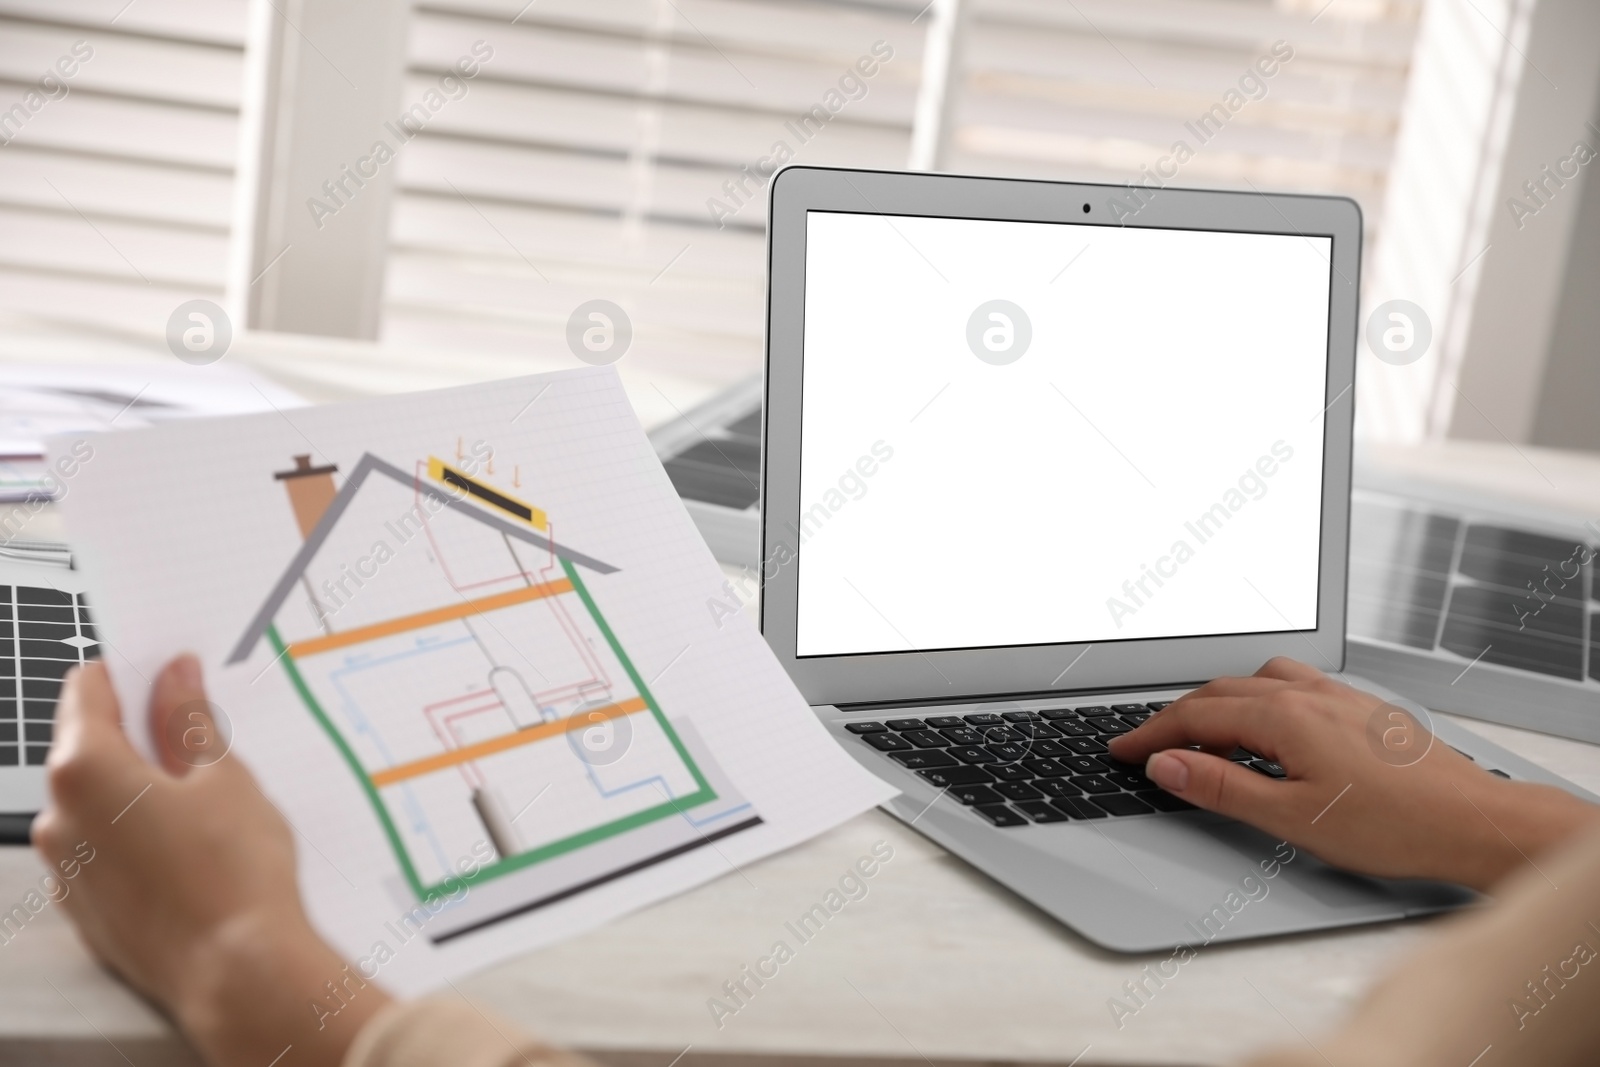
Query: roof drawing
{"points": [[367, 465]]}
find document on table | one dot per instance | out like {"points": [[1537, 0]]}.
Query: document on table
{"points": [[38, 400], [473, 648]]}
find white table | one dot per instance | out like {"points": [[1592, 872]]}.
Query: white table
{"points": [[935, 964]]}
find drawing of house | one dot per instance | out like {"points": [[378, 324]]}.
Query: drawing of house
{"points": [[446, 642]]}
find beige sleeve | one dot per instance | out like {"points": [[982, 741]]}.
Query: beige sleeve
{"points": [[449, 1032], [1517, 982]]}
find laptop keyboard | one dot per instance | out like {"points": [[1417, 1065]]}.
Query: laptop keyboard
{"points": [[1015, 768], [43, 633]]}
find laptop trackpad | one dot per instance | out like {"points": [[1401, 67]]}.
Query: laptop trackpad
{"points": [[1195, 861]]}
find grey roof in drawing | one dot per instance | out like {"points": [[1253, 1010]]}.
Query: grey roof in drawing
{"points": [[367, 465]]}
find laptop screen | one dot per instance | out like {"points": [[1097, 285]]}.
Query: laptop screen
{"points": [[1019, 433]]}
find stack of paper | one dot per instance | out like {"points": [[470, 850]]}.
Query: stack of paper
{"points": [[37, 400]]}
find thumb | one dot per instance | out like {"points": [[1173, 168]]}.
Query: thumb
{"points": [[185, 726], [1216, 784]]}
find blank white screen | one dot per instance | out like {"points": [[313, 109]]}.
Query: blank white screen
{"points": [[1168, 372]]}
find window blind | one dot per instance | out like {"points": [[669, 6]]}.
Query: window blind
{"points": [[591, 152], [118, 131], [1293, 96]]}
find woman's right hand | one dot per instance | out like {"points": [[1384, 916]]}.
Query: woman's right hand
{"points": [[1366, 786]]}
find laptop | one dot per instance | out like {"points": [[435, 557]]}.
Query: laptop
{"points": [[1038, 458]]}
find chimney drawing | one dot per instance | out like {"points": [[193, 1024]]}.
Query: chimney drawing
{"points": [[311, 490]]}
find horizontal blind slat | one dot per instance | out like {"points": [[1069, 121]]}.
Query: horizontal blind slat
{"points": [[101, 188], [217, 22], [121, 65], [686, 71]]}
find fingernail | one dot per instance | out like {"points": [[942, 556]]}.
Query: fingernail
{"points": [[186, 672], [1167, 771]]}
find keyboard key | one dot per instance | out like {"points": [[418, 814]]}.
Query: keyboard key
{"points": [[975, 794], [1003, 733], [1048, 748], [1008, 752], [1122, 804], [1035, 731], [1074, 728], [1054, 714], [1082, 764], [1094, 709], [962, 736], [1268, 768], [983, 718], [905, 724], [1009, 772], [1021, 716], [1040, 811], [1057, 787], [1130, 709], [1077, 808], [1158, 705], [923, 759], [1106, 724], [1000, 815], [1086, 746], [1046, 768], [1240, 755], [968, 753], [1135, 719], [941, 722], [1018, 791], [945, 777], [1093, 783], [1164, 801], [1498, 773], [866, 727], [1128, 780], [886, 742], [925, 738]]}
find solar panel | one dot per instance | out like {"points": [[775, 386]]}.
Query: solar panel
{"points": [[43, 633], [1472, 613]]}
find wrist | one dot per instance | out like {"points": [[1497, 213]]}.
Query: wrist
{"points": [[260, 983], [1516, 823]]}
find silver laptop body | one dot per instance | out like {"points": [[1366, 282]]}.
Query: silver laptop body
{"points": [[900, 590]]}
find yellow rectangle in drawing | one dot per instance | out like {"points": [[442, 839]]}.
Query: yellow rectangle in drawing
{"points": [[455, 756], [440, 471], [344, 638]]}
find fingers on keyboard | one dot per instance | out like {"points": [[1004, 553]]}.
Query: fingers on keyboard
{"points": [[1017, 768]]}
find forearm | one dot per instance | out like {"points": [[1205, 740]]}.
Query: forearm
{"points": [[453, 1031], [264, 984], [1522, 976]]}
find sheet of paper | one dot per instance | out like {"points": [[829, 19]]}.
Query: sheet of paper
{"points": [[475, 651]]}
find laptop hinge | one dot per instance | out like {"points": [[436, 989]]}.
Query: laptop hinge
{"points": [[1065, 695]]}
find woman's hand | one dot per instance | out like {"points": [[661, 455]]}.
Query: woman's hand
{"points": [[1366, 786], [189, 892]]}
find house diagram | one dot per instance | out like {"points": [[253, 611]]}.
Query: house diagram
{"points": [[448, 645]]}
